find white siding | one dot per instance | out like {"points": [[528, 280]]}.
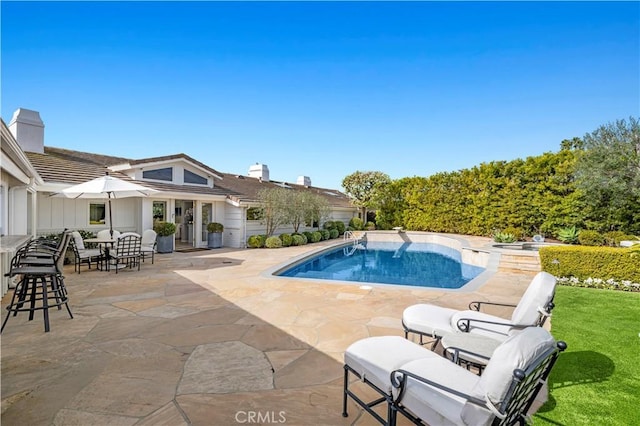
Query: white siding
{"points": [[55, 214], [233, 235]]}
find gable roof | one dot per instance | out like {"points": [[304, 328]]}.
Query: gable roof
{"points": [[63, 166], [167, 158], [55, 164]]}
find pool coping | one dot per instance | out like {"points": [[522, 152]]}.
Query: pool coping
{"points": [[463, 245]]}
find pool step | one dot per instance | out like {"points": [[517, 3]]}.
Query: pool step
{"points": [[519, 262]]}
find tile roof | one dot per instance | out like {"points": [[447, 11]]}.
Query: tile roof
{"points": [[249, 187], [59, 165]]}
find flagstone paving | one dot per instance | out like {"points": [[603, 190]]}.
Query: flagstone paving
{"points": [[204, 338]]}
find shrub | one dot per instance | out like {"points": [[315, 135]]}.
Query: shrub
{"points": [[309, 236], [591, 262], [326, 234], [256, 241], [298, 240], [517, 233], [503, 237], [273, 242], [164, 229], [315, 237], [329, 225], [370, 226], [286, 240], [590, 238], [569, 235], [356, 223], [334, 233], [86, 234], [339, 226], [215, 227], [350, 228], [613, 238]]}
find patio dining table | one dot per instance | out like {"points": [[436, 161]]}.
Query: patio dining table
{"points": [[107, 243]]}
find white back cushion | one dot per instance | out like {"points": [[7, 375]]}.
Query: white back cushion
{"points": [[518, 351], [148, 238], [538, 294], [77, 240]]}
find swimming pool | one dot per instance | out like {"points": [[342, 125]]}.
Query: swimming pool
{"points": [[405, 263]]}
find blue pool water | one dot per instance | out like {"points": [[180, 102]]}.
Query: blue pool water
{"points": [[414, 264]]}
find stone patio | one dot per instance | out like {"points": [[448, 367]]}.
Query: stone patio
{"points": [[203, 338]]}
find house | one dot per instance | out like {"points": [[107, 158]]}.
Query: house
{"points": [[18, 183], [190, 193]]}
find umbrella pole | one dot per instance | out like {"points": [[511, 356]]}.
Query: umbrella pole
{"points": [[110, 218]]}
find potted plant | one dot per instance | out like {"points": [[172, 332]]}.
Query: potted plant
{"points": [[165, 231], [214, 236]]}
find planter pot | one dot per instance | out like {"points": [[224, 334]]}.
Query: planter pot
{"points": [[165, 244], [214, 240]]}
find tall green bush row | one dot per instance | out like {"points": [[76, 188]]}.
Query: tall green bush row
{"points": [[536, 195]]}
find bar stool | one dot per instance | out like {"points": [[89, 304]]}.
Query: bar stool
{"points": [[41, 285]]}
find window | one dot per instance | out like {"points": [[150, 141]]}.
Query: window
{"points": [[254, 213], [190, 177], [159, 174], [97, 213], [159, 211]]}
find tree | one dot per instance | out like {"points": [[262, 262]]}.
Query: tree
{"points": [[365, 189], [274, 208], [608, 172], [288, 206]]}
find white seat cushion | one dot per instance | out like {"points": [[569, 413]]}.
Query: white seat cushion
{"points": [[374, 358], [428, 319], [89, 253], [438, 407]]}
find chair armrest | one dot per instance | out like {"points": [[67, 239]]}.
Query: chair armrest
{"points": [[400, 377], [457, 351], [464, 324], [476, 305]]}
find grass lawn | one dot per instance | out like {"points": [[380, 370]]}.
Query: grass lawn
{"points": [[597, 379]]}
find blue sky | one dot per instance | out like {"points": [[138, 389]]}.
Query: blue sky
{"points": [[321, 88]]}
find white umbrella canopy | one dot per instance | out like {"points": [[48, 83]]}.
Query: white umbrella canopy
{"points": [[106, 187]]}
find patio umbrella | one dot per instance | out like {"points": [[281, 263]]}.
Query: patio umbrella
{"points": [[108, 187]]}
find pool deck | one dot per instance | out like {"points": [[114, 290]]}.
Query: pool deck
{"points": [[205, 338]]}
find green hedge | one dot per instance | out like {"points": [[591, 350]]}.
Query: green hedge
{"points": [[591, 262]]}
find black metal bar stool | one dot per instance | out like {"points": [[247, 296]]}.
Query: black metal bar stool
{"points": [[40, 288], [41, 285]]}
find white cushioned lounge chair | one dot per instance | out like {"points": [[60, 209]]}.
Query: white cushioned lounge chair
{"points": [[436, 322], [428, 389]]}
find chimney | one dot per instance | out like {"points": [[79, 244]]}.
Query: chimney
{"points": [[304, 180], [28, 129], [260, 171]]}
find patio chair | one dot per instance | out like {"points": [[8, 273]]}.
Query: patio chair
{"points": [[148, 244], [126, 251], [436, 322], [105, 233], [82, 254], [428, 389]]}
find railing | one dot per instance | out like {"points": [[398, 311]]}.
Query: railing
{"points": [[357, 238]]}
